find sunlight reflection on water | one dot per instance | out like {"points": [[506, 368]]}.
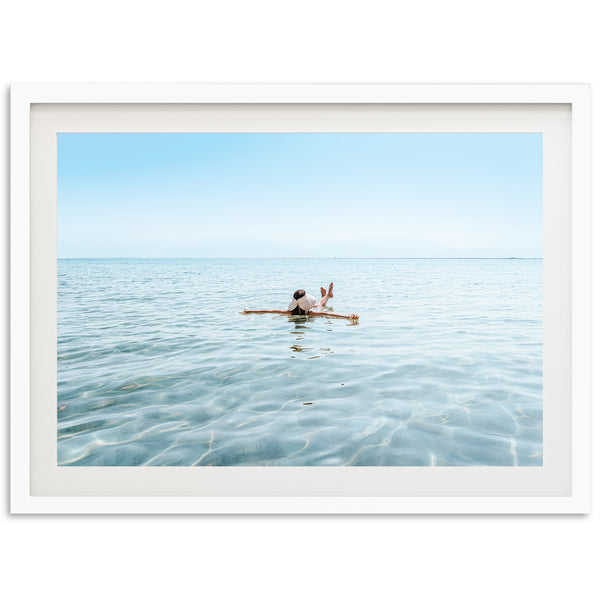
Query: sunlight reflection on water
{"points": [[157, 367]]}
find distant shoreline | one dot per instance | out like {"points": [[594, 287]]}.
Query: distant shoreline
{"points": [[300, 258]]}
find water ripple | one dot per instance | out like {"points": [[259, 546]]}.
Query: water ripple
{"points": [[157, 367]]}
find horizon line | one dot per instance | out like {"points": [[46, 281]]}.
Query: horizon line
{"points": [[307, 257]]}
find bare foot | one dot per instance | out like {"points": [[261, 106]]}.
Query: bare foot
{"points": [[323, 292], [330, 292]]}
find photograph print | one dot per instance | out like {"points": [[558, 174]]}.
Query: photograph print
{"points": [[299, 299]]}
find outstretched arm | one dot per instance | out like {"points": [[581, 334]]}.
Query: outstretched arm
{"points": [[247, 312], [352, 316], [312, 313]]}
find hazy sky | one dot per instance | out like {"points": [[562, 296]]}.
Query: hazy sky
{"points": [[300, 195]]}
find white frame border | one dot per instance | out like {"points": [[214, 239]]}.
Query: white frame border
{"points": [[24, 95]]}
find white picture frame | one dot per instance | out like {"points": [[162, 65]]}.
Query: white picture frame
{"points": [[38, 111]]}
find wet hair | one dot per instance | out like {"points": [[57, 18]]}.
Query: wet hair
{"points": [[297, 310]]}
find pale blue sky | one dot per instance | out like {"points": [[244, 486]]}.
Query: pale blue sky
{"points": [[300, 195]]}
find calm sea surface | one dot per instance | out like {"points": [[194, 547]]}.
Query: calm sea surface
{"points": [[157, 367]]}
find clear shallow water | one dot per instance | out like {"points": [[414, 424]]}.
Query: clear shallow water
{"points": [[157, 367]]}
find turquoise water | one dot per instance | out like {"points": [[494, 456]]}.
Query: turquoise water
{"points": [[157, 367]]}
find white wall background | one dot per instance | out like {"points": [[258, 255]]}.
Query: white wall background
{"points": [[513, 41]]}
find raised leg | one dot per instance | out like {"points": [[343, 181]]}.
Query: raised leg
{"points": [[325, 295]]}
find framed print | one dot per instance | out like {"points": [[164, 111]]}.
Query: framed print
{"points": [[300, 299]]}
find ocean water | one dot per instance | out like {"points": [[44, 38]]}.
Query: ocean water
{"points": [[156, 365]]}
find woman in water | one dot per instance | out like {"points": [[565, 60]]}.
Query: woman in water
{"points": [[304, 304]]}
